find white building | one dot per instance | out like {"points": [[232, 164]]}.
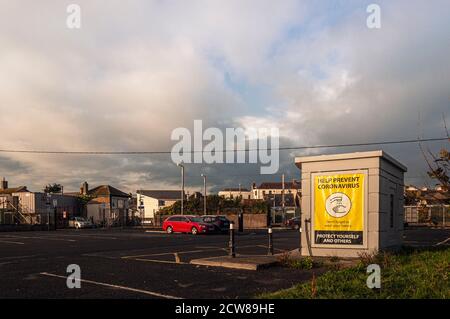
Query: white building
{"points": [[235, 193], [149, 202], [273, 188]]}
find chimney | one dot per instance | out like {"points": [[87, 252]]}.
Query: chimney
{"points": [[84, 188], [4, 184]]}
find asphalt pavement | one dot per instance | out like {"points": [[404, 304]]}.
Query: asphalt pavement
{"points": [[132, 263]]}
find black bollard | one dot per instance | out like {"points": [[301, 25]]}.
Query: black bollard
{"points": [[231, 243], [269, 230]]}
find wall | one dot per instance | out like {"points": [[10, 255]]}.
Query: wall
{"points": [[36, 204], [251, 221], [151, 205]]}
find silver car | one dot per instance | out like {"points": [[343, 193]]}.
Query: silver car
{"points": [[79, 222]]}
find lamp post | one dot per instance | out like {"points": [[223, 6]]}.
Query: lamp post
{"points": [[204, 194], [182, 186]]}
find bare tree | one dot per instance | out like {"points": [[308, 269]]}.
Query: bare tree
{"points": [[439, 165]]}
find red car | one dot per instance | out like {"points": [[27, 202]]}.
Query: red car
{"points": [[187, 224], [293, 223]]}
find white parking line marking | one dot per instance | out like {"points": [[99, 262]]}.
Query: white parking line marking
{"points": [[88, 236], [36, 237], [99, 256], [162, 261], [12, 242], [443, 242], [163, 254], [204, 250], [146, 292]]}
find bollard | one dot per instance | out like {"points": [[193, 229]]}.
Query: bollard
{"points": [[269, 230], [231, 243], [300, 239]]}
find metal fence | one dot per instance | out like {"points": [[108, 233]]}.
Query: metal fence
{"points": [[437, 215]]}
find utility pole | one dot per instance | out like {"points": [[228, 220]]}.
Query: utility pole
{"points": [[204, 194], [282, 196], [182, 187]]}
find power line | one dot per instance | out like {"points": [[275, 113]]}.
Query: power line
{"points": [[287, 148]]}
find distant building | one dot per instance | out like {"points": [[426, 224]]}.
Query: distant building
{"points": [[264, 191], [425, 196], [268, 189], [18, 205], [232, 193], [109, 206], [151, 201]]}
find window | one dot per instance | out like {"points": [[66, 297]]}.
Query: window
{"points": [[391, 210], [161, 203]]}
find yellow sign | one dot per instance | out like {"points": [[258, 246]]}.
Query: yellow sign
{"points": [[339, 209]]}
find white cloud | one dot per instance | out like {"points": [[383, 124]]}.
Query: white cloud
{"points": [[136, 71]]}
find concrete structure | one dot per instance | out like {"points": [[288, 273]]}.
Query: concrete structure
{"points": [[351, 203], [244, 193], [151, 201]]}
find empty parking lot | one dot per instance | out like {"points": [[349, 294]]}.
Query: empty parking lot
{"points": [[121, 263]]}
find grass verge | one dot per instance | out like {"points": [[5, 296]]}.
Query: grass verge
{"points": [[408, 274]]}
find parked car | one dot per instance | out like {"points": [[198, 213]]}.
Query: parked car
{"points": [[221, 223], [187, 224], [293, 223], [80, 222]]}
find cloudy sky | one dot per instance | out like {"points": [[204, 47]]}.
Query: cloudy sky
{"points": [[138, 69]]}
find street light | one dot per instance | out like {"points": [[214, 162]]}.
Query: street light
{"points": [[182, 186], [204, 193]]}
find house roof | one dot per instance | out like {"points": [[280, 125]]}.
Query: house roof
{"points": [[9, 191], [234, 190], [161, 194], [275, 185], [107, 190], [428, 196]]}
